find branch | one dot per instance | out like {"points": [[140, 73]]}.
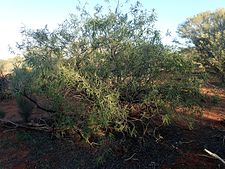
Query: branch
{"points": [[36, 103], [127, 159], [28, 126], [215, 156], [9, 122]]}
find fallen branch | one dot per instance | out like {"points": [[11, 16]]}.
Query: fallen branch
{"points": [[215, 156], [30, 126], [9, 122]]}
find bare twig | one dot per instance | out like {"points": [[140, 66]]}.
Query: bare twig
{"points": [[185, 142], [211, 85], [127, 159], [207, 156], [9, 122], [215, 156], [86, 138], [6, 131]]}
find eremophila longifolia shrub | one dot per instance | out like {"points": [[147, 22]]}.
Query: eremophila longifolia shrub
{"points": [[101, 71]]}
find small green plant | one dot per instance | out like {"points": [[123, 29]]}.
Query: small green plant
{"points": [[166, 119], [100, 160], [215, 100], [104, 153], [25, 107]]}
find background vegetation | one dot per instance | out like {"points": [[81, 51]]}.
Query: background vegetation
{"points": [[206, 32], [6, 66]]}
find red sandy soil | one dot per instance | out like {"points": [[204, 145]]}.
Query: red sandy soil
{"points": [[11, 109], [216, 112]]}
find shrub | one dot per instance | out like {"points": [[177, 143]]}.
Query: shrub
{"points": [[205, 33], [108, 64]]}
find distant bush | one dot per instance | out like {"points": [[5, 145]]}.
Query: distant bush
{"points": [[6, 66], [101, 72], [205, 33]]}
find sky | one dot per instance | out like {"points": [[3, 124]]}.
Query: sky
{"points": [[34, 14]]}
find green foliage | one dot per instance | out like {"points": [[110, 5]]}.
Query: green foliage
{"points": [[100, 160], [25, 107], [215, 100], [102, 157], [94, 66], [166, 119], [206, 32]]}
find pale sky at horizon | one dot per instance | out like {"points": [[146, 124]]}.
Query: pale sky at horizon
{"points": [[37, 13]]}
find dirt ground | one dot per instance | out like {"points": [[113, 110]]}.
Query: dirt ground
{"points": [[172, 147]]}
